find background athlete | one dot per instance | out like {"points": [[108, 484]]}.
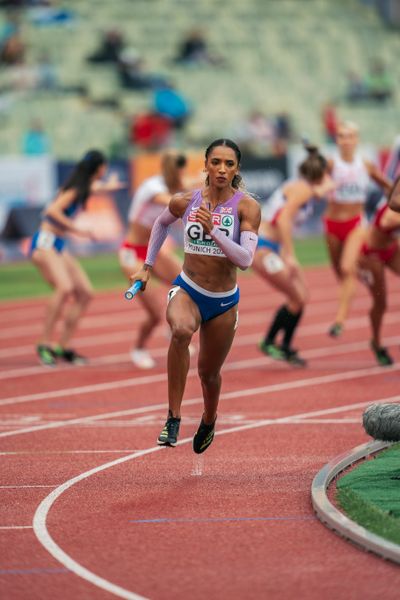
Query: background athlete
{"points": [[148, 202], [64, 274], [379, 252], [343, 217], [275, 260], [220, 234]]}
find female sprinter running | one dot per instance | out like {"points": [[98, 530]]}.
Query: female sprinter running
{"points": [[380, 250], [275, 259], [351, 175], [149, 201], [220, 234], [55, 263]]}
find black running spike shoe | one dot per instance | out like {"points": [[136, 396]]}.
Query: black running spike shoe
{"points": [[203, 436], [46, 355], [335, 330], [170, 432], [382, 355], [293, 358], [70, 356]]}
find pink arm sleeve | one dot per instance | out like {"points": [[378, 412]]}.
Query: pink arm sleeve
{"points": [[158, 235], [240, 254]]}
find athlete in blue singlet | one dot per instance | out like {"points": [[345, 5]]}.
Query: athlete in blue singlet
{"points": [[57, 266]]}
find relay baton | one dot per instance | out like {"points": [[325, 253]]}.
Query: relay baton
{"points": [[133, 290]]}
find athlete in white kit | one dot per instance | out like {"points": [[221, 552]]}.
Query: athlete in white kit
{"points": [[148, 202], [351, 175]]}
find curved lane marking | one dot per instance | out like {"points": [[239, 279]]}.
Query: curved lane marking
{"points": [[40, 517]]}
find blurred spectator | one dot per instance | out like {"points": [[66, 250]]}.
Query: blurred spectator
{"points": [[329, 121], [171, 104], [12, 47], [256, 133], [35, 140], [150, 131], [46, 73], [356, 87], [133, 75], [376, 86], [283, 133], [379, 84], [110, 48], [193, 50]]}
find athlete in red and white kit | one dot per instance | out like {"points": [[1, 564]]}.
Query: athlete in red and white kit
{"points": [[351, 175]]}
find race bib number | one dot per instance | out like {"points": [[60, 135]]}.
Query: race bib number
{"points": [[45, 240], [273, 263], [199, 242], [127, 257]]}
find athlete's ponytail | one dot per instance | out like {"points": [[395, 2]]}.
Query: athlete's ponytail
{"points": [[314, 166]]}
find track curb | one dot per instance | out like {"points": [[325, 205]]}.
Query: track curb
{"points": [[330, 516]]}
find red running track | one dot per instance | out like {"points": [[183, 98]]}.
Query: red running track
{"points": [[91, 508]]}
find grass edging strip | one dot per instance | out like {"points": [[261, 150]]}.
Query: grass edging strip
{"points": [[333, 518]]}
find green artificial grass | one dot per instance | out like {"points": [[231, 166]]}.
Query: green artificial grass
{"points": [[370, 494], [22, 280]]}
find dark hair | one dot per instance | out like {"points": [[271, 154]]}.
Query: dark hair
{"points": [[181, 161], [314, 166], [81, 176], [230, 144]]}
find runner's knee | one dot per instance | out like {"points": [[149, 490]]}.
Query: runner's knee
{"points": [[181, 334], [209, 378]]}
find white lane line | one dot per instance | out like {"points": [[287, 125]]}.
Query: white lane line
{"points": [[248, 317], [323, 421], [112, 319], [305, 331], [160, 377], [16, 527], [278, 387], [53, 452], [116, 307], [40, 517], [12, 487]]}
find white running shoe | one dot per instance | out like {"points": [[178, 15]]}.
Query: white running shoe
{"points": [[142, 359]]}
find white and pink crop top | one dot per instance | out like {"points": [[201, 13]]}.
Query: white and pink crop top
{"points": [[351, 179], [224, 217], [143, 209], [273, 206]]}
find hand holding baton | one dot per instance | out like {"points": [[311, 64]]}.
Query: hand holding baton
{"points": [[133, 290]]}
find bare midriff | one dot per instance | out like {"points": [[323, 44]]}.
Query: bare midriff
{"points": [[215, 274], [339, 211]]}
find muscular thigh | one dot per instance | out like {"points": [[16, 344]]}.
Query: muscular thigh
{"points": [[182, 312], [52, 266], [351, 249], [335, 249], [394, 263], [216, 337], [372, 272], [273, 269], [78, 276]]}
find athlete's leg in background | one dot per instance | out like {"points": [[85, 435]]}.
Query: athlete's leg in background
{"points": [[82, 294], [54, 270], [348, 272]]}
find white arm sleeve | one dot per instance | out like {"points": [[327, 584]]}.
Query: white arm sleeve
{"points": [[158, 235], [241, 254]]}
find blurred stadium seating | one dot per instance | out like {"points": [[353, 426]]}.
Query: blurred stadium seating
{"points": [[281, 55]]}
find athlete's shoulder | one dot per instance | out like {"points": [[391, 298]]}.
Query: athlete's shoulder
{"points": [[179, 203], [248, 201]]}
